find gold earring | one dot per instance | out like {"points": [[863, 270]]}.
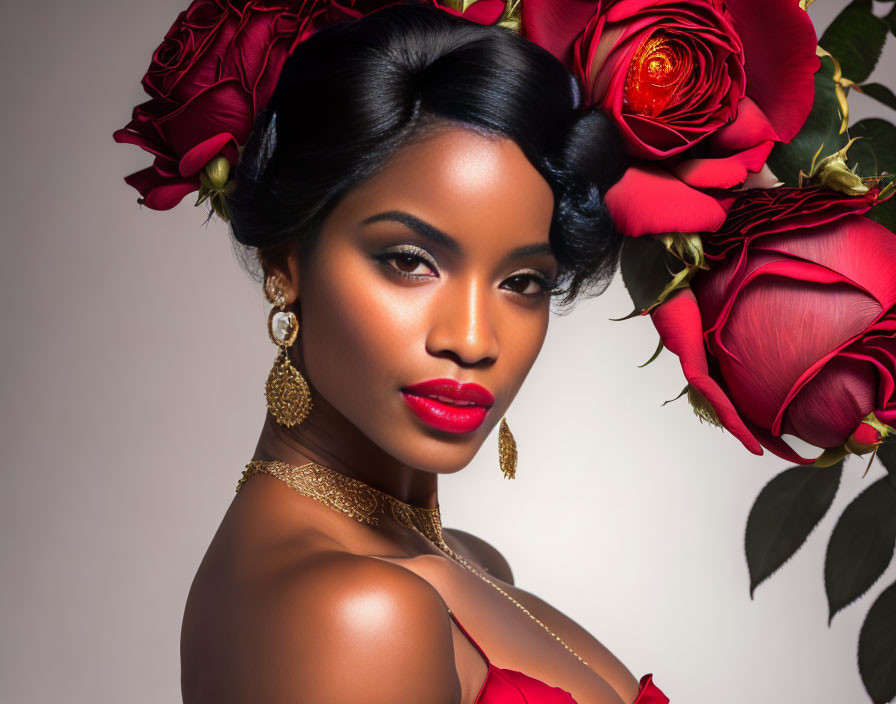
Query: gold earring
{"points": [[507, 453], [287, 392]]}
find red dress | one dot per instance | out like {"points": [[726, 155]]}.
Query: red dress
{"points": [[502, 686]]}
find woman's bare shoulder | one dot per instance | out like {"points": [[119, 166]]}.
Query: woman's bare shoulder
{"points": [[484, 553], [337, 628]]}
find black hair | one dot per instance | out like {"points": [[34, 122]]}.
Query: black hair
{"points": [[354, 93]]}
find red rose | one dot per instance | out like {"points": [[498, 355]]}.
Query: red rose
{"points": [[700, 89], [213, 73], [793, 328], [217, 69], [760, 212], [481, 11]]}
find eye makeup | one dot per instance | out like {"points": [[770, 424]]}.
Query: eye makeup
{"points": [[412, 254], [407, 252]]}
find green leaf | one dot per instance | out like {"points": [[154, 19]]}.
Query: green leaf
{"points": [[856, 39], [874, 154], [885, 214], [880, 93], [875, 151], [822, 127], [861, 545], [784, 514], [877, 648], [646, 268], [890, 19], [886, 453]]}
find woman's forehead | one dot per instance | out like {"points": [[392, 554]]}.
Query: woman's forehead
{"points": [[463, 180]]}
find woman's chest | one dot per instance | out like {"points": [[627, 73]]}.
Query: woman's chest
{"points": [[521, 636]]}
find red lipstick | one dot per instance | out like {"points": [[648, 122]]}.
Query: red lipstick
{"points": [[449, 405]]}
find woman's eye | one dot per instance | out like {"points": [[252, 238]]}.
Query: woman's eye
{"points": [[528, 284], [407, 264]]}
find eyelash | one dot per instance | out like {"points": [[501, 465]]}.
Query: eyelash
{"points": [[546, 286]]}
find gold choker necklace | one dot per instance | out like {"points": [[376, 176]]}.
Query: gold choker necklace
{"points": [[350, 496], [366, 504]]}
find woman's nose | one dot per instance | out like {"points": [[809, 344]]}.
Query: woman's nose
{"points": [[463, 325]]}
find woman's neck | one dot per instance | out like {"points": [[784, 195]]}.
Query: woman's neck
{"points": [[327, 438]]}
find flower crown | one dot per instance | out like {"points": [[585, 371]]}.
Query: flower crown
{"points": [[759, 222], [678, 78]]}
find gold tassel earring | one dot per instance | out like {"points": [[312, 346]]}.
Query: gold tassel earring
{"points": [[287, 392], [507, 453]]}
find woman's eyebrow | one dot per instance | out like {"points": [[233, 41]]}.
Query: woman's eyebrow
{"points": [[529, 250], [424, 229], [432, 233]]}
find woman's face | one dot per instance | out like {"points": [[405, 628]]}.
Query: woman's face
{"points": [[432, 270]]}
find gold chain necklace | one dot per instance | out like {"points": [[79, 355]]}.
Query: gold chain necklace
{"points": [[365, 504]]}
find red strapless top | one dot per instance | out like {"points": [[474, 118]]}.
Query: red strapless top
{"points": [[502, 686]]}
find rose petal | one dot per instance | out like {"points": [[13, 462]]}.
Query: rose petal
{"points": [[777, 445], [829, 407], [146, 138], [649, 693], [710, 173], [759, 212], [865, 435], [167, 195], [749, 129], [589, 58], [779, 56], [145, 180], [555, 24], [860, 249], [678, 323], [649, 200], [887, 416], [726, 172], [197, 158], [884, 367], [650, 138], [166, 167], [222, 108]]}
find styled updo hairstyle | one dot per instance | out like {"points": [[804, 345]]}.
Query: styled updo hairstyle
{"points": [[354, 93]]}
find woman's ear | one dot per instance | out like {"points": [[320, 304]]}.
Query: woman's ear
{"points": [[283, 265]]}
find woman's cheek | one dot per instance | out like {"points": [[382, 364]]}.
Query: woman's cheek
{"points": [[521, 337], [362, 334]]}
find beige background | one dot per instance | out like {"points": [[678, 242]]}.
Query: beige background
{"points": [[132, 360]]}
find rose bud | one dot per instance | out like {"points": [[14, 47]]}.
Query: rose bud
{"points": [[864, 439], [218, 171], [793, 328]]}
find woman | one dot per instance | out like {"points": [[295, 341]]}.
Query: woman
{"points": [[417, 191]]}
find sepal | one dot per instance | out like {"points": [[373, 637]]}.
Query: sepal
{"points": [[703, 408], [833, 172], [655, 266], [869, 435]]}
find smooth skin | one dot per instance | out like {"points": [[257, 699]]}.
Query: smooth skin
{"points": [[435, 267]]}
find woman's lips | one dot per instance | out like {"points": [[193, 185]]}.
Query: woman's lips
{"points": [[448, 405]]}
